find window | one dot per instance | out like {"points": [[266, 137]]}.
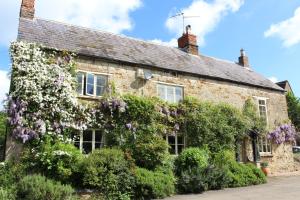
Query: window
{"points": [[262, 107], [176, 143], [89, 140], [91, 84], [172, 94], [264, 145]]}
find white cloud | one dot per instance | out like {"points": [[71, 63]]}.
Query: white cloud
{"points": [[110, 15], [209, 16], [171, 43], [287, 30], [4, 87], [273, 79]]}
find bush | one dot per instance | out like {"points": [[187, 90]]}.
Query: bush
{"points": [[191, 158], [109, 172], [149, 151], [56, 160], [7, 194], [216, 178], [36, 187], [190, 168], [192, 180], [151, 185]]}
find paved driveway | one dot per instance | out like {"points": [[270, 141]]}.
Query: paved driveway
{"points": [[277, 188]]}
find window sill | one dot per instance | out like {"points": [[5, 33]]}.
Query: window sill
{"points": [[266, 154], [89, 97]]}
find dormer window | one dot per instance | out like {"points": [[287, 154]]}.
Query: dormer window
{"points": [[90, 84]]}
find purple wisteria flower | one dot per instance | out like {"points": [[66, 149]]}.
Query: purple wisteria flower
{"points": [[283, 133]]}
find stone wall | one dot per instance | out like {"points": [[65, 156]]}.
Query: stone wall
{"points": [[126, 81]]}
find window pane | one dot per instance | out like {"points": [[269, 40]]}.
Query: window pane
{"points": [[87, 147], [161, 91], [180, 148], [172, 149], [101, 85], [171, 140], [88, 135], [98, 136], [180, 140], [262, 102], [170, 94], [179, 95], [80, 83], [90, 84]]}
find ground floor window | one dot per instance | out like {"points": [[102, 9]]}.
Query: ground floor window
{"points": [[176, 142], [89, 140], [264, 145]]}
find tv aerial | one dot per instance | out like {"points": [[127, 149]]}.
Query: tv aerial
{"points": [[181, 14]]}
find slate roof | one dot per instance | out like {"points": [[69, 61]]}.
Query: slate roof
{"points": [[90, 42]]}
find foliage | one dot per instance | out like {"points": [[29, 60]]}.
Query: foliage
{"points": [[190, 168], [192, 158], [36, 187], [55, 159], [3, 119], [283, 133], [217, 126], [294, 109], [153, 184], [108, 171], [252, 119], [43, 99], [7, 194], [149, 151]]}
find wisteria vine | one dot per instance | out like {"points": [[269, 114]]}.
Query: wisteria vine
{"points": [[283, 133]]}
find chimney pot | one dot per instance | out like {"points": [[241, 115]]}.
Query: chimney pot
{"points": [[188, 41], [27, 9]]}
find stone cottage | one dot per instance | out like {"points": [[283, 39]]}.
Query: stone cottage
{"points": [[144, 68]]}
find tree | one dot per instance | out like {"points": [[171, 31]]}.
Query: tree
{"points": [[2, 131], [294, 109]]}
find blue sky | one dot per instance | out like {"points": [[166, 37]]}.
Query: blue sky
{"points": [[268, 30]]}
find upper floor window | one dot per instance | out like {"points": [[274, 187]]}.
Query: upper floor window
{"points": [[170, 93], [91, 84], [89, 140], [262, 106]]}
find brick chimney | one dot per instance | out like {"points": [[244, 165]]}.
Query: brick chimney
{"points": [[243, 59], [188, 42], [27, 9]]}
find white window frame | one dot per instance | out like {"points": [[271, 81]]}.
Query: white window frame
{"points": [[85, 82], [264, 142], [173, 86], [176, 141], [102, 143], [266, 107]]}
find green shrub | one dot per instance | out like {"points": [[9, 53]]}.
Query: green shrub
{"points": [[56, 160], [7, 194], [109, 172], [191, 158], [149, 151], [190, 169], [36, 187], [217, 178], [192, 180], [237, 174], [153, 184]]}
